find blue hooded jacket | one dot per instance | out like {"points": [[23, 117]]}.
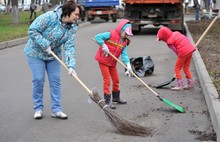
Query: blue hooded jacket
{"points": [[47, 30]]}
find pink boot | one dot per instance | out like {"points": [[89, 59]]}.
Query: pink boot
{"points": [[179, 86], [190, 84]]}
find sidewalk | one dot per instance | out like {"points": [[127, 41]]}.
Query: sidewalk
{"points": [[208, 88]]}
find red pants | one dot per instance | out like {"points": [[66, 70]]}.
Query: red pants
{"points": [[183, 63], [109, 73]]}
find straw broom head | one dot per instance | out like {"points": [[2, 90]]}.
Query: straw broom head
{"points": [[123, 126]]}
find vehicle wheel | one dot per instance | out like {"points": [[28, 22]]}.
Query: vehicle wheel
{"points": [[135, 32], [107, 19], [83, 18], [88, 18], [114, 18], [120, 14], [183, 31]]}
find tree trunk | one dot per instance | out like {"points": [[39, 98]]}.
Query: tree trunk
{"points": [[15, 11], [206, 4], [65, 1], [55, 3], [7, 8]]}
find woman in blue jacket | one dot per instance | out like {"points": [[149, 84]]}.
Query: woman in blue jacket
{"points": [[52, 31]]}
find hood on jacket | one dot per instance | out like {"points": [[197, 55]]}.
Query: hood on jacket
{"points": [[164, 33], [58, 11], [122, 26]]}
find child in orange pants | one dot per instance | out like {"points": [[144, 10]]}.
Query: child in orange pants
{"points": [[115, 42], [181, 45]]}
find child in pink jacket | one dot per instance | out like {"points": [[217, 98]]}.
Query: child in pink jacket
{"points": [[183, 48]]}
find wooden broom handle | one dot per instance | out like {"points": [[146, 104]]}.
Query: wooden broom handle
{"points": [[130, 72], [206, 31], [83, 85]]}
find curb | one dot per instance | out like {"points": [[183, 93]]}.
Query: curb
{"points": [[12, 43], [209, 91], [19, 41]]}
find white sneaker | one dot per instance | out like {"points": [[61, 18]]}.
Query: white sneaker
{"points": [[59, 115], [177, 88], [38, 114]]}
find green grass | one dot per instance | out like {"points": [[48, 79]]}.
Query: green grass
{"points": [[10, 31]]}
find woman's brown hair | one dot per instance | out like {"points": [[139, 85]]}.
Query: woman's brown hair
{"points": [[69, 7]]}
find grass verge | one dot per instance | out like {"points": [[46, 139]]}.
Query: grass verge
{"points": [[10, 31]]}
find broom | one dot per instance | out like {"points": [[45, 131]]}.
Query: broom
{"points": [[180, 109], [123, 126], [197, 43]]}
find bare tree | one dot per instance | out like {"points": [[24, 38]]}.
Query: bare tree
{"points": [[206, 4], [22, 2], [55, 2], [65, 1], [32, 1], [15, 12], [7, 8]]}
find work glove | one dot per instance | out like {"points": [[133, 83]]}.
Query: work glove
{"points": [[72, 71], [48, 50], [105, 50], [129, 70]]}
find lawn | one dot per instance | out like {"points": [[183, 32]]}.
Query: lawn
{"points": [[11, 31], [209, 48]]}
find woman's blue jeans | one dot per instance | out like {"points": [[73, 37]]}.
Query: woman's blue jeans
{"points": [[38, 69]]}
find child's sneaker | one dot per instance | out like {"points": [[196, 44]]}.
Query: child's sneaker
{"points": [[190, 84], [179, 86]]}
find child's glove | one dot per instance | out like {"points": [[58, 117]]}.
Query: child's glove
{"points": [[105, 50], [129, 70], [128, 74], [72, 71]]}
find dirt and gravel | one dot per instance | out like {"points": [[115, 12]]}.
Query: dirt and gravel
{"points": [[209, 47]]}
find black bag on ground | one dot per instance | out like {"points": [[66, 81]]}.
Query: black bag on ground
{"points": [[142, 66]]}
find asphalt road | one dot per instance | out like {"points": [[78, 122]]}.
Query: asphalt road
{"points": [[87, 122]]}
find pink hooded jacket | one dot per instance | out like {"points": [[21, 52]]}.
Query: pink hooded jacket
{"points": [[176, 41]]}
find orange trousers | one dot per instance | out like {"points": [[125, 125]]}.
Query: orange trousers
{"points": [[183, 63], [108, 74]]}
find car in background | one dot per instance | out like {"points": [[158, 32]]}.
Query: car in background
{"points": [[26, 7], [2, 7]]}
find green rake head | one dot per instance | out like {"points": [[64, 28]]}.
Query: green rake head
{"points": [[179, 108]]}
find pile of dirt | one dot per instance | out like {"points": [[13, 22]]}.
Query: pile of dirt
{"points": [[209, 47], [203, 136]]}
